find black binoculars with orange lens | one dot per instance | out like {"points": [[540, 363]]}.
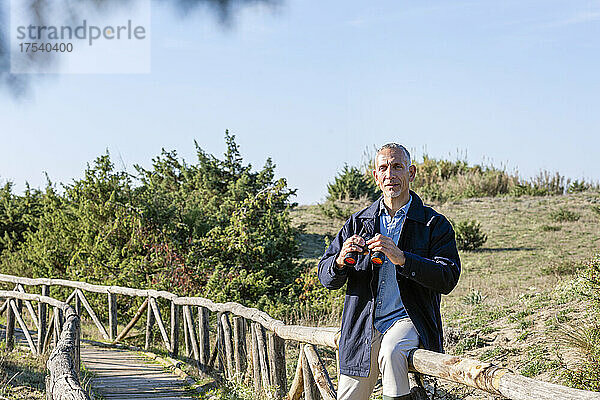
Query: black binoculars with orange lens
{"points": [[377, 258], [351, 258]]}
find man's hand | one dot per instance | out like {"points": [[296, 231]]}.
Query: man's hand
{"points": [[388, 247], [353, 243]]}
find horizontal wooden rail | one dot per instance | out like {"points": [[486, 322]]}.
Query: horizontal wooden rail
{"points": [[266, 354], [7, 294], [491, 378], [313, 335], [87, 286]]}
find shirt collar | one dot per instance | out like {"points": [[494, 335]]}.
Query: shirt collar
{"points": [[403, 210]]}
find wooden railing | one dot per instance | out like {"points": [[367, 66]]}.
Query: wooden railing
{"points": [[250, 345], [63, 381]]}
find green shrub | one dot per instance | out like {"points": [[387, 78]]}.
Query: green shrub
{"points": [[595, 209], [590, 271], [352, 184], [473, 298], [564, 215], [584, 371], [444, 180], [19, 216], [469, 235], [214, 228], [543, 184], [546, 183], [550, 228], [576, 186]]}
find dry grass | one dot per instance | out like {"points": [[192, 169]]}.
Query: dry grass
{"points": [[21, 375], [519, 250]]}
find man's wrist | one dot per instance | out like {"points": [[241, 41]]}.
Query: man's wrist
{"points": [[403, 268], [402, 260], [337, 266]]}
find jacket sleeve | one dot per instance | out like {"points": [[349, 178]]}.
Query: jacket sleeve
{"points": [[331, 276], [441, 271]]}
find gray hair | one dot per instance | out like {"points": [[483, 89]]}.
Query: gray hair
{"points": [[395, 146]]}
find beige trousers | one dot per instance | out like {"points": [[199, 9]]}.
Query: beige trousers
{"points": [[389, 355]]}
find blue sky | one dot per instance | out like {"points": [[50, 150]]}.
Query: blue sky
{"points": [[313, 84]]}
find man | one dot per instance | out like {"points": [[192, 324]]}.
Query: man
{"points": [[393, 308]]}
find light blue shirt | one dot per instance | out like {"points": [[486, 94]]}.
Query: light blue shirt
{"points": [[388, 304]]}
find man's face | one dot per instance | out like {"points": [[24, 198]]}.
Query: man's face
{"points": [[392, 172]]}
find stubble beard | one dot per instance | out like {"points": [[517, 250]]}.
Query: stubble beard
{"points": [[393, 193]]}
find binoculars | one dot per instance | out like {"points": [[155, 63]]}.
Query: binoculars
{"points": [[376, 258]]}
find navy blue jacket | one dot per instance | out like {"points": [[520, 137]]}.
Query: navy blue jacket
{"points": [[432, 267]]}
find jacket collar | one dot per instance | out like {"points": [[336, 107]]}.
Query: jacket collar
{"points": [[416, 211]]}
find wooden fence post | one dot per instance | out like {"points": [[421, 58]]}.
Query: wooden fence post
{"points": [[262, 356], [239, 346], [77, 304], [255, 359], [248, 344], [10, 325], [49, 330], [277, 364], [203, 335], [112, 316], [186, 336], [297, 387], [78, 346], [55, 330], [310, 388], [19, 304], [61, 320], [174, 329], [58, 323], [319, 373], [187, 314], [227, 341], [149, 324], [18, 316], [220, 345], [42, 321]]}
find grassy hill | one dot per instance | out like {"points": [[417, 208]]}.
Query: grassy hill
{"points": [[518, 302]]}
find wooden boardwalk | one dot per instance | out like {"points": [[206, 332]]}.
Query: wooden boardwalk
{"points": [[122, 374]]}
